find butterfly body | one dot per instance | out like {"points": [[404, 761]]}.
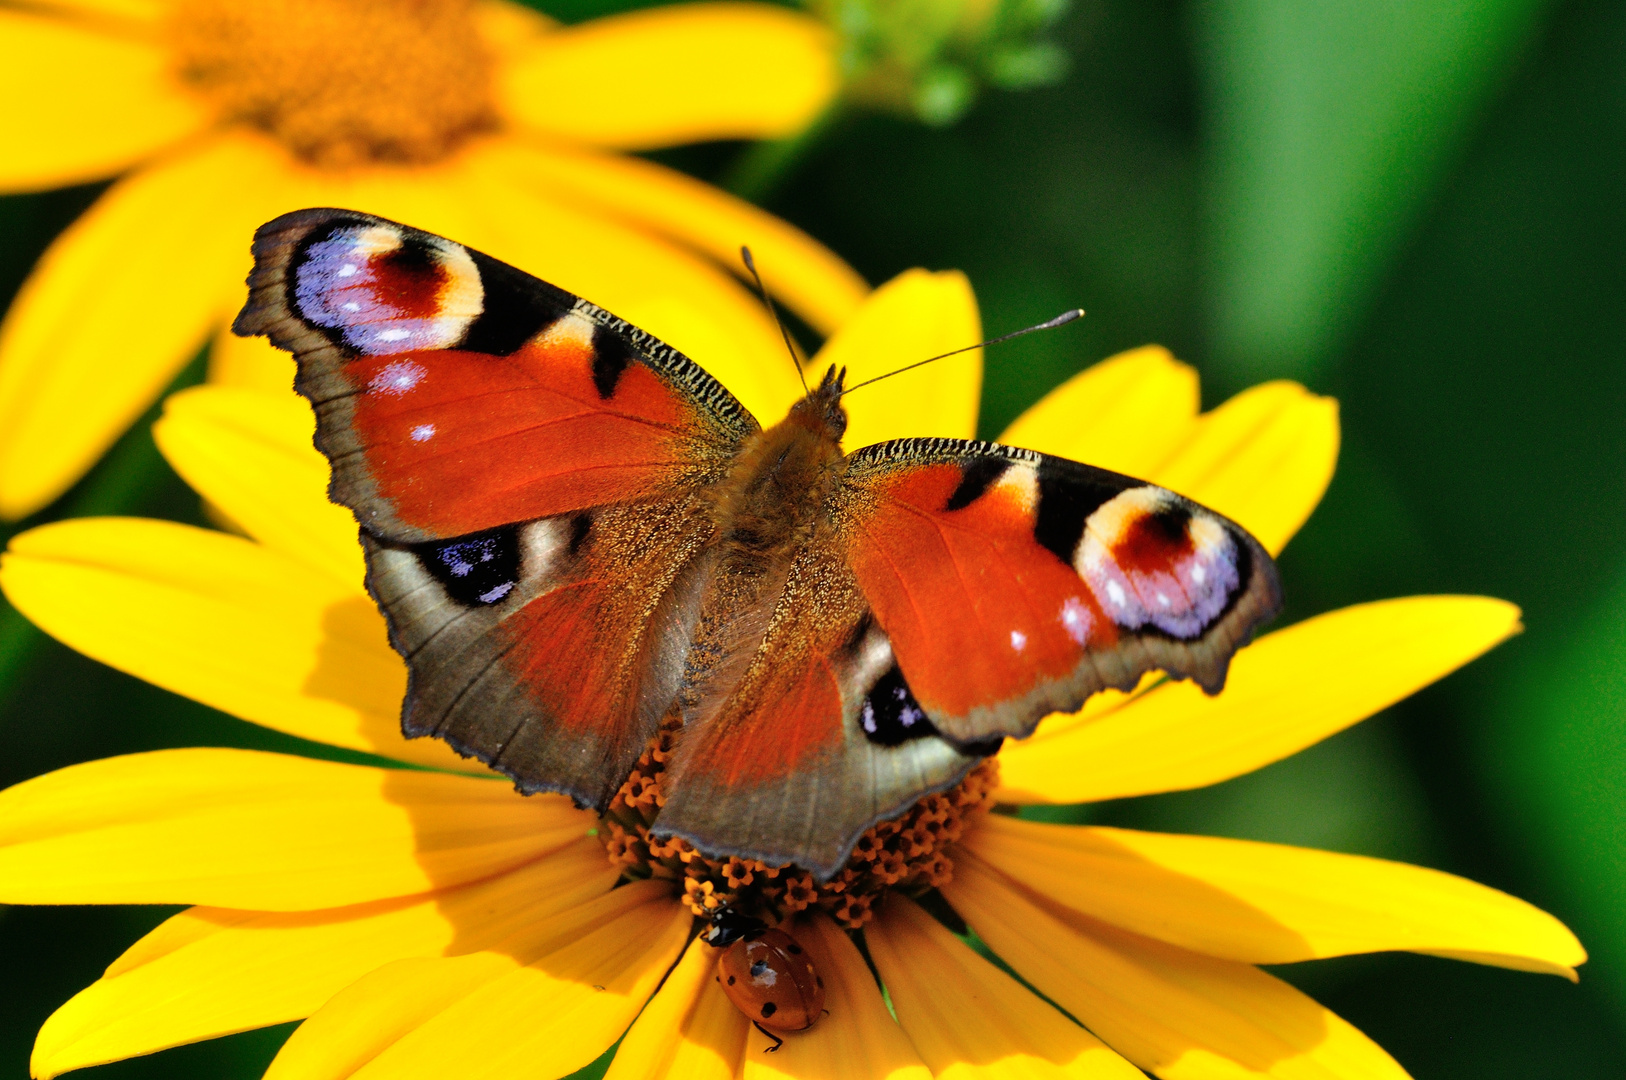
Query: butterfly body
{"points": [[574, 532]]}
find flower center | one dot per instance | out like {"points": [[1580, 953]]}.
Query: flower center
{"points": [[341, 82], [905, 853]]}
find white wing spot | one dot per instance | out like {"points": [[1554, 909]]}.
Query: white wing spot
{"points": [[1076, 619], [1115, 592], [1163, 598], [423, 432], [496, 594], [394, 334], [1198, 574], [397, 378], [1019, 640]]}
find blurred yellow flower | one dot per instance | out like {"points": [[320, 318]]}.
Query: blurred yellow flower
{"points": [[478, 119], [432, 923]]}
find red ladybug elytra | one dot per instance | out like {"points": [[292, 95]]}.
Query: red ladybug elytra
{"points": [[766, 974]]}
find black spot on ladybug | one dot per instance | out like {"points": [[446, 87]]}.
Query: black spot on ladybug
{"points": [[731, 980], [759, 969], [794, 950], [769, 1008], [820, 980]]}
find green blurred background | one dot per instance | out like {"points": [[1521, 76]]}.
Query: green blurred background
{"points": [[1418, 206]]}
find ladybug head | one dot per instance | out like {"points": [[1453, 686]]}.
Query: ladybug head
{"points": [[729, 926]]}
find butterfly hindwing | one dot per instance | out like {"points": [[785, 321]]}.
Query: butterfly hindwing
{"points": [[526, 469], [817, 739], [1014, 584], [548, 650]]}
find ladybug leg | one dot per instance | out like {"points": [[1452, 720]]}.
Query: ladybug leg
{"points": [[777, 1041]]}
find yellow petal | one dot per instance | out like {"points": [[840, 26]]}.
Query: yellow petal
{"points": [[799, 271], [1267, 903], [1174, 1013], [224, 621], [83, 104], [129, 16], [243, 829], [211, 971], [914, 316], [679, 296], [675, 294], [90, 342], [1285, 691], [1128, 413], [1263, 459], [377, 1012], [365, 1017], [970, 1020], [250, 455], [509, 29], [689, 73], [688, 1031], [564, 1009], [856, 1037], [249, 363]]}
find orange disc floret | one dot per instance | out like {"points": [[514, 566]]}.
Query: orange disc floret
{"points": [[341, 82], [907, 852]]}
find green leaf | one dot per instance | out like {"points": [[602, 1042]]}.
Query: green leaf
{"points": [[1328, 125], [1557, 751]]}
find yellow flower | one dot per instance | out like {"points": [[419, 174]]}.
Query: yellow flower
{"points": [[431, 922], [474, 118]]}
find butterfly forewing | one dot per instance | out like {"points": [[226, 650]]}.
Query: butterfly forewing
{"points": [[1015, 584], [454, 393], [526, 469]]}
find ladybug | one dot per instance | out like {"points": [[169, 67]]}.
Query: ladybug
{"points": [[766, 974]]}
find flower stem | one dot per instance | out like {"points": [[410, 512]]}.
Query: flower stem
{"points": [[759, 170]]}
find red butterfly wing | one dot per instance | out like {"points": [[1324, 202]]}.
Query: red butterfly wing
{"points": [[1013, 584], [815, 741], [454, 393], [527, 470]]}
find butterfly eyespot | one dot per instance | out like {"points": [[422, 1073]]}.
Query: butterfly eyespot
{"points": [[476, 570], [890, 715]]}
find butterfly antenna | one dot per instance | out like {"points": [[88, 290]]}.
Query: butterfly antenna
{"points": [[1049, 324], [762, 290]]}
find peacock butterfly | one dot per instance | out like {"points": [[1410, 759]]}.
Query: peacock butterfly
{"points": [[573, 530]]}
